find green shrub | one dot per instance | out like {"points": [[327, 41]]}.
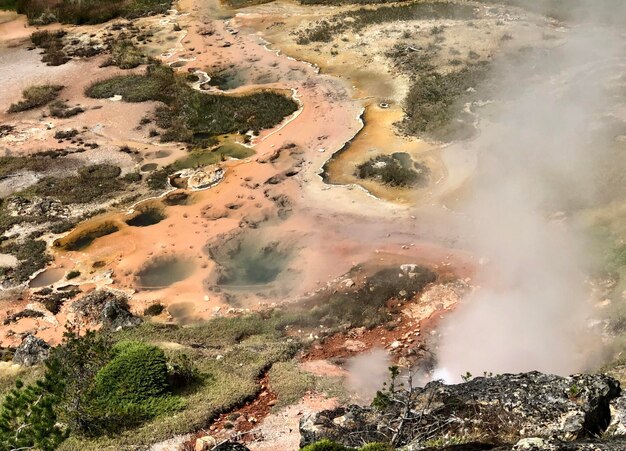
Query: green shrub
{"points": [[157, 180], [28, 418], [62, 110], [36, 96], [182, 372], [137, 372], [133, 177], [72, 275]]}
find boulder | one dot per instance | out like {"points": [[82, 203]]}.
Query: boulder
{"points": [[31, 351], [115, 315], [497, 410], [105, 307]]}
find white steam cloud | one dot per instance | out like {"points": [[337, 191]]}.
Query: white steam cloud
{"points": [[366, 374], [531, 311]]}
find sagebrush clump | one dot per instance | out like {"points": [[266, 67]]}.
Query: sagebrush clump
{"points": [[36, 96]]}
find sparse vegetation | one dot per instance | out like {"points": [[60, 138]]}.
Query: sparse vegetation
{"points": [[91, 183], [126, 55], [326, 30], [41, 12], [31, 255], [191, 116], [433, 99], [11, 165], [52, 44], [396, 169], [35, 97]]}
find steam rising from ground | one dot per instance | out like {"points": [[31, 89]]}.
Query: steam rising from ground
{"points": [[366, 374], [536, 160]]}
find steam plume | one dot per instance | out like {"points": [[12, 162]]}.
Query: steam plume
{"points": [[536, 161]]}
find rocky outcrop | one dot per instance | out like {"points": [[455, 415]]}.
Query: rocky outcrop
{"points": [[105, 307], [115, 316], [204, 178], [37, 206], [497, 411], [540, 444], [31, 351]]}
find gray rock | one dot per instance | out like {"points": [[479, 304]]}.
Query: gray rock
{"points": [[490, 410], [115, 316], [31, 351], [105, 307]]}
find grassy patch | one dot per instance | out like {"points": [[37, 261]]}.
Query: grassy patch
{"points": [[36, 96], [348, 2], [126, 55], [432, 104], [191, 116], [11, 165], [40, 12], [225, 383], [290, 383], [244, 3], [326, 30]]}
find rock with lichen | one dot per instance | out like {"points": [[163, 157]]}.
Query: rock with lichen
{"points": [[496, 410]]}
